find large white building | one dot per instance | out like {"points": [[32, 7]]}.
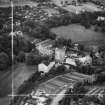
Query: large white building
{"points": [[63, 2], [45, 47]]}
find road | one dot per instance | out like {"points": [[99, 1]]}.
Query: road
{"points": [[59, 97], [21, 73]]}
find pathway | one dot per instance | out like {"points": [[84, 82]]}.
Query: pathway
{"points": [[58, 97]]}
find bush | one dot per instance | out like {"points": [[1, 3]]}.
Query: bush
{"points": [[60, 69], [35, 59], [103, 29], [63, 42], [36, 30], [21, 56], [96, 28], [27, 47], [4, 61]]}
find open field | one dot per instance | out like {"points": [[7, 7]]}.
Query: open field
{"points": [[90, 7], [78, 33]]}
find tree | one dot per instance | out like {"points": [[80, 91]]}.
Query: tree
{"points": [[61, 42], [33, 59], [103, 29], [4, 61], [69, 43], [60, 69], [21, 56], [96, 28]]}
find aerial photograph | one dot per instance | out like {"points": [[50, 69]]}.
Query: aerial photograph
{"points": [[52, 52]]}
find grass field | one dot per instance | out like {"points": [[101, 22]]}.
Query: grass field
{"points": [[78, 33], [90, 7], [21, 73]]}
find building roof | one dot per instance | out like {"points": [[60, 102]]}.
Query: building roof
{"points": [[71, 61], [96, 91]]}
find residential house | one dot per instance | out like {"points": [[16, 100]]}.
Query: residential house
{"points": [[44, 68], [60, 54], [86, 60], [97, 92], [45, 47], [63, 2]]}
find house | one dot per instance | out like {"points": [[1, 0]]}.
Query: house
{"points": [[86, 60], [100, 18], [97, 92], [45, 50], [45, 47], [70, 61], [44, 68], [60, 54], [63, 2]]}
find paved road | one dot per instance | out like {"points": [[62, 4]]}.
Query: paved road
{"points": [[21, 73], [58, 97]]}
